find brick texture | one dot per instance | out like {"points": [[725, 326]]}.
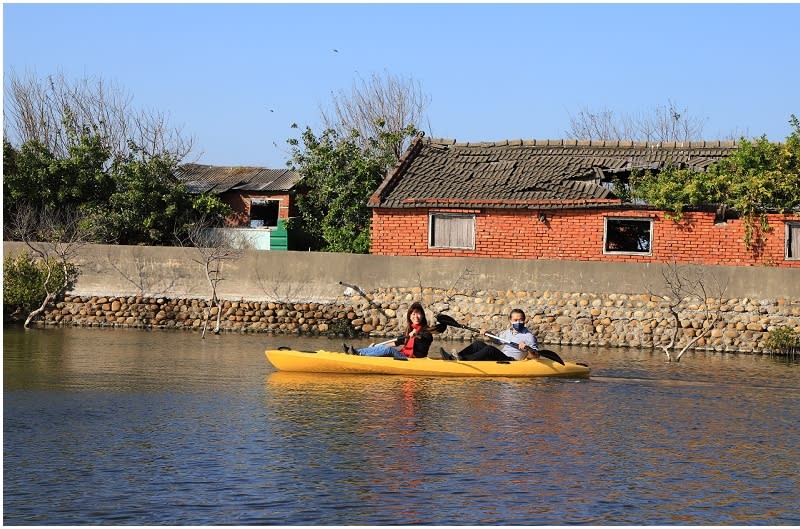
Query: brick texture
{"points": [[577, 235]]}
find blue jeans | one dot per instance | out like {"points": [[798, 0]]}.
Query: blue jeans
{"points": [[381, 350]]}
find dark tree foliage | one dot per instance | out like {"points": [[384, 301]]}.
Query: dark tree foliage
{"points": [[34, 175], [131, 199]]}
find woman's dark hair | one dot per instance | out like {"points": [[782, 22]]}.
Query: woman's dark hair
{"points": [[416, 306]]}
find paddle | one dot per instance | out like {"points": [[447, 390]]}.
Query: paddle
{"points": [[439, 328], [448, 320]]}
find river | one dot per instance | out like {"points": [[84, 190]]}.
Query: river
{"points": [[123, 426]]}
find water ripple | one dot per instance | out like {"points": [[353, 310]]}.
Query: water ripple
{"points": [[156, 428]]}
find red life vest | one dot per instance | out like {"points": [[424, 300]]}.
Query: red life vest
{"points": [[408, 347]]}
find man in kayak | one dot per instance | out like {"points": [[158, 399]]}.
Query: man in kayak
{"points": [[516, 332], [415, 342]]}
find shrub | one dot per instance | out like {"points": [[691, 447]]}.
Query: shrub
{"points": [[782, 340], [24, 278]]}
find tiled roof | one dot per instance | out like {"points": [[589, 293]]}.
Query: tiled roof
{"points": [[217, 179], [527, 174]]}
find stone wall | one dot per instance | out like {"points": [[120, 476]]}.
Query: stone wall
{"points": [[192, 314], [568, 302], [555, 317]]}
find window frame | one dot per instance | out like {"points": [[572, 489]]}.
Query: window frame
{"points": [[790, 226], [265, 203], [433, 216], [651, 225]]}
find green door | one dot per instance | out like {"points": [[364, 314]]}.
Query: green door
{"points": [[278, 237]]}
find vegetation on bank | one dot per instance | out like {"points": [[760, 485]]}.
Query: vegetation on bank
{"points": [[27, 280], [80, 146], [783, 341]]}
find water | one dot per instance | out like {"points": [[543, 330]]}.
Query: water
{"points": [[152, 427]]}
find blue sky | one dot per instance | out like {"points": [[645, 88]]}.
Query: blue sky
{"points": [[492, 71]]}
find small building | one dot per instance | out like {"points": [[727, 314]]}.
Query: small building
{"points": [[557, 200], [262, 199]]}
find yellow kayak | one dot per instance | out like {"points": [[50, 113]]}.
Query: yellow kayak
{"points": [[334, 362]]}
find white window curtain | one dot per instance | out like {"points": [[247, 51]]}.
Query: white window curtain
{"points": [[452, 231]]}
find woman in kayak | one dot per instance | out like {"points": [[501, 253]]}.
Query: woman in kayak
{"points": [[415, 342], [516, 332]]}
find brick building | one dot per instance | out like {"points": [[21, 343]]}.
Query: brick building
{"points": [[555, 200], [262, 199]]}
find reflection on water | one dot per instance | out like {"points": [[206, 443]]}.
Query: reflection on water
{"points": [[122, 427]]}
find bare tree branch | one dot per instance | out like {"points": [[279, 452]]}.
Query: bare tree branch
{"points": [[214, 246], [386, 103], [54, 237], [664, 123], [144, 276], [681, 285], [278, 290], [54, 111]]}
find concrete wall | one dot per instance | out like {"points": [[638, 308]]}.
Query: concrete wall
{"points": [[567, 302], [315, 277]]}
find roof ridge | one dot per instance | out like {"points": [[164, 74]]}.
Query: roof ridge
{"points": [[236, 167], [707, 144], [392, 172]]}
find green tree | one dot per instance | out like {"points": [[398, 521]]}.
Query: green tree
{"points": [[148, 202], [134, 199], [54, 237], [758, 177], [49, 108], [82, 146], [339, 175], [34, 174]]}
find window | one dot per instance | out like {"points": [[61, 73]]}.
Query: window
{"points": [[452, 231], [263, 212], [631, 236], [792, 240]]}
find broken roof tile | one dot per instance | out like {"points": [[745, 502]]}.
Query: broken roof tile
{"points": [[219, 179], [522, 173]]}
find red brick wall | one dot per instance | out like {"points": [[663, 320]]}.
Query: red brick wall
{"points": [[577, 235], [240, 202]]}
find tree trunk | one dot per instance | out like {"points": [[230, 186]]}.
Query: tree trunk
{"points": [[706, 331], [47, 299], [217, 330], [205, 325]]}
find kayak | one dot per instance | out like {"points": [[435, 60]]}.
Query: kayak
{"points": [[335, 362]]}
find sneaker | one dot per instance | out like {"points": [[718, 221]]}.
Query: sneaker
{"points": [[453, 356], [446, 355], [349, 350]]}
